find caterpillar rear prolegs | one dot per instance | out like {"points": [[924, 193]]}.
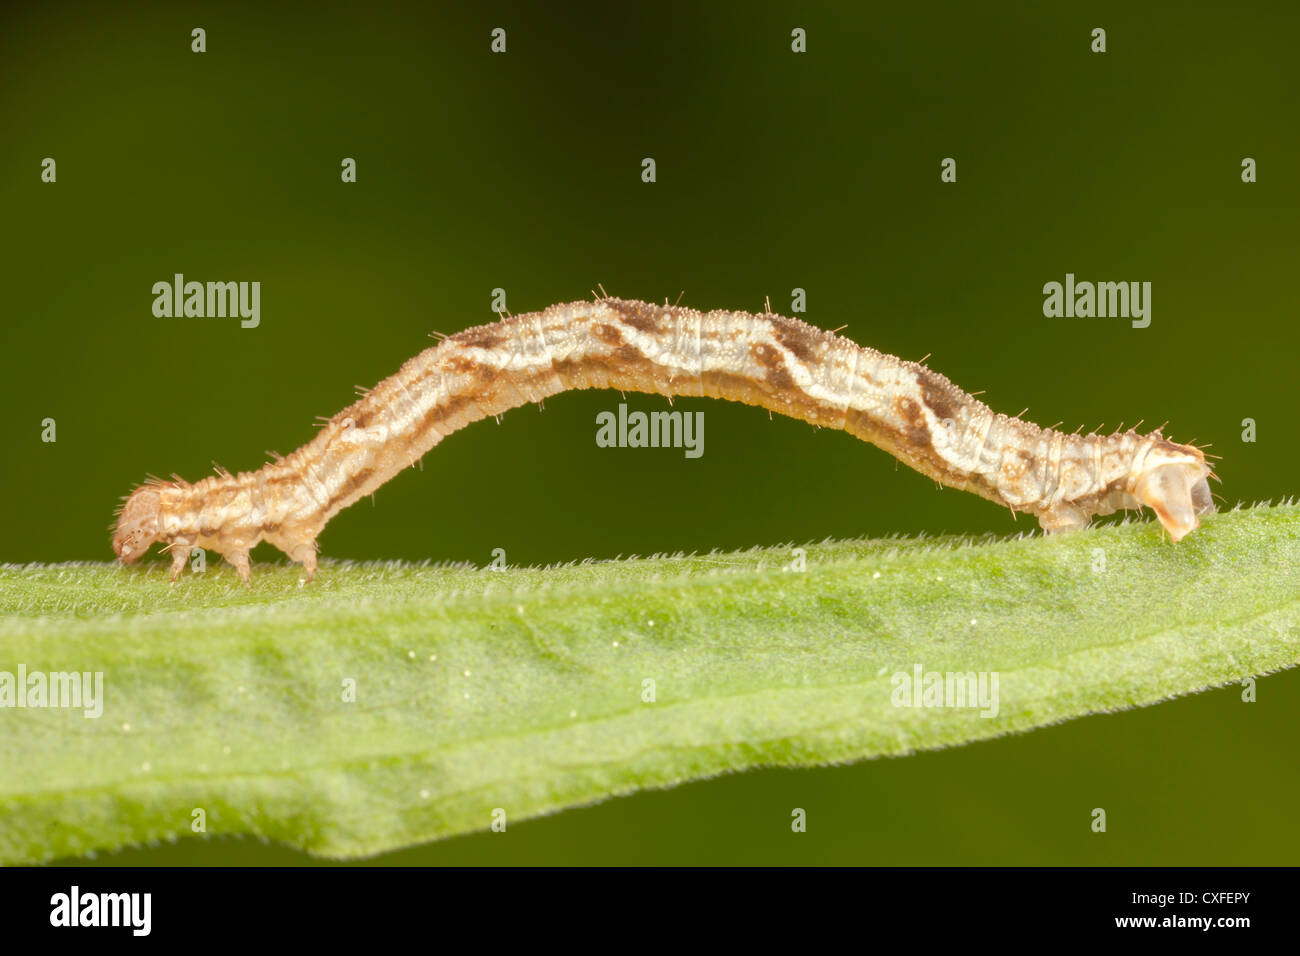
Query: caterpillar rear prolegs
{"points": [[1178, 494], [777, 363], [1135, 471]]}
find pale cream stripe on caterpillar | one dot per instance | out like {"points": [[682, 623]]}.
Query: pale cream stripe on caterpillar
{"points": [[781, 364]]}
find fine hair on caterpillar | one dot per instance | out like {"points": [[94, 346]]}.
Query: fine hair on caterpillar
{"points": [[781, 364]]}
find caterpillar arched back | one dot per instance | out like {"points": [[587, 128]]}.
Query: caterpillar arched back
{"points": [[781, 364]]}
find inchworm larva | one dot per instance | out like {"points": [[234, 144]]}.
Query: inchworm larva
{"points": [[784, 365]]}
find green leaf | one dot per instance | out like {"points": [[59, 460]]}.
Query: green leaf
{"points": [[522, 689]]}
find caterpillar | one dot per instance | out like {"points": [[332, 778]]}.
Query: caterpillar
{"points": [[781, 364]]}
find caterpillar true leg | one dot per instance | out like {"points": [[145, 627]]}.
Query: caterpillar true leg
{"points": [[180, 550], [781, 364], [239, 558], [303, 551]]}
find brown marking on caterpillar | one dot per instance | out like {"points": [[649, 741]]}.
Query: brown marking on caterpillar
{"points": [[937, 393], [608, 334], [796, 337], [778, 363], [642, 316], [773, 363], [629, 357], [480, 336], [917, 431], [461, 364]]}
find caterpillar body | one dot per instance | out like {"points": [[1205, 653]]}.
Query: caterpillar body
{"points": [[779, 363]]}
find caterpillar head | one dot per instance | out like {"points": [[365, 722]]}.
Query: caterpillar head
{"points": [[137, 524], [1171, 481]]}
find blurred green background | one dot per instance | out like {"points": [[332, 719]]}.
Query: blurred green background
{"points": [[775, 170]]}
